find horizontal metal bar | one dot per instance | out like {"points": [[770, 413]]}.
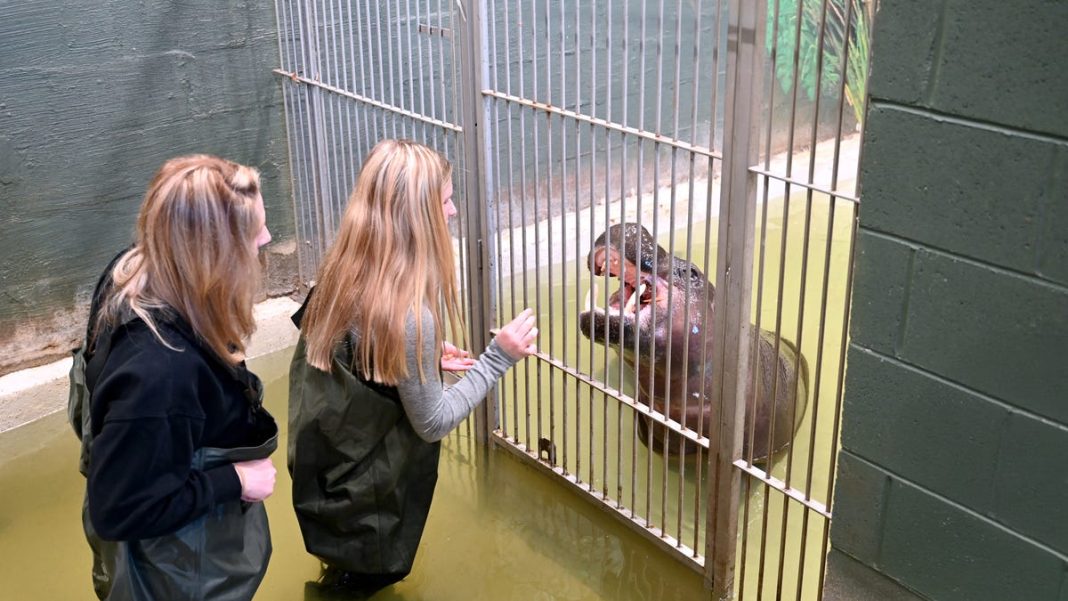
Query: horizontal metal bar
{"points": [[797, 182], [779, 485], [657, 536], [627, 400], [370, 101], [611, 125]]}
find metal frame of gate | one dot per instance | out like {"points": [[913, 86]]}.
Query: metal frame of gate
{"points": [[454, 76]]}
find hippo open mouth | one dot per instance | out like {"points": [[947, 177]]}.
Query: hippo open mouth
{"points": [[660, 320], [643, 317], [637, 291]]}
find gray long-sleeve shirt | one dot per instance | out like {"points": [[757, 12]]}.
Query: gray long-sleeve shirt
{"points": [[433, 409]]}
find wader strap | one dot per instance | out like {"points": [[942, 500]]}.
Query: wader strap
{"points": [[348, 357]]}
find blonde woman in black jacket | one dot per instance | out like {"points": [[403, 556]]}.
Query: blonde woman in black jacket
{"points": [[175, 440]]}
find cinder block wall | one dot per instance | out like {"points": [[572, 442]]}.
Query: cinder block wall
{"points": [[953, 477], [94, 96]]}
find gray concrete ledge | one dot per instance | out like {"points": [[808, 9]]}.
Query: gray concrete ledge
{"points": [[31, 394], [849, 580]]}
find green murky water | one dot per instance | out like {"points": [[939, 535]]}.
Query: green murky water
{"points": [[497, 530], [594, 437]]}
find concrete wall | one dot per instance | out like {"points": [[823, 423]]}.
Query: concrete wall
{"points": [[952, 477], [94, 96]]}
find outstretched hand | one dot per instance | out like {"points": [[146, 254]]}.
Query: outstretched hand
{"points": [[455, 359], [518, 337]]}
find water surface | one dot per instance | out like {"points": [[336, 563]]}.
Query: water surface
{"points": [[497, 529]]}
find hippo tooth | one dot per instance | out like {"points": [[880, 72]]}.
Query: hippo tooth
{"points": [[641, 290]]}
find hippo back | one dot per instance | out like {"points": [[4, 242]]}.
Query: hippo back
{"points": [[785, 375]]}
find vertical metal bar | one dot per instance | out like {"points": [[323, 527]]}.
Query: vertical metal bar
{"points": [[561, 201], [608, 202], [302, 121], [387, 121], [431, 76], [731, 357], [322, 173], [305, 177], [466, 227], [578, 234], [422, 73], [714, 98], [458, 8], [695, 94], [680, 496], [511, 218], [284, 43], [625, 48], [361, 133], [549, 234], [640, 173], [284, 48], [537, 225], [347, 61], [368, 52], [592, 219], [847, 39], [494, 148], [475, 66], [331, 76], [523, 212], [665, 455], [410, 59], [316, 114], [445, 116], [389, 29], [370, 124], [567, 333]]}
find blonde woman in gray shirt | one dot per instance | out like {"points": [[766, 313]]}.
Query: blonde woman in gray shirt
{"points": [[367, 406]]}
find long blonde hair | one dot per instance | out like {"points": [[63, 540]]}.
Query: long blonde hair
{"points": [[195, 253], [392, 256]]}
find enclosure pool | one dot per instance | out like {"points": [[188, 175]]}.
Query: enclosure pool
{"points": [[496, 531]]}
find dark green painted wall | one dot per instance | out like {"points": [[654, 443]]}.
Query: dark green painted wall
{"points": [[94, 96], [952, 478]]}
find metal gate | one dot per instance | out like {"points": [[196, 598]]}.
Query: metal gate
{"points": [[728, 130]]}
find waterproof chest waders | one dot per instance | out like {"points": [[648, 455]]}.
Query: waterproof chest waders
{"points": [[363, 480]]}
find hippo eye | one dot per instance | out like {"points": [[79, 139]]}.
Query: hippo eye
{"points": [[697, 276]]}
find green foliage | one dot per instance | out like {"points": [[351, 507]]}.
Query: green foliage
{"points": [[806, 31]]}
